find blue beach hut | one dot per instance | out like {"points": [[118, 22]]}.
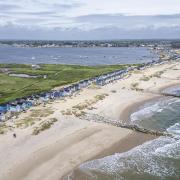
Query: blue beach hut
{"points": [[2, 116], [77, 87], [67, 91], [56, 94], [3, 108], [14, 107]]}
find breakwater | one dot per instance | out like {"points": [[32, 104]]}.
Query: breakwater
{"points": [[101, 119]]}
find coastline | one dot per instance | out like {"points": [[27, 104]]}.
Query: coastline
{"points": [[134, 139], [72, 140], [125, 115]]}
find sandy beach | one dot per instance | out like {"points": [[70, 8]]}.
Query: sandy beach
{"points": [[72, 140]]}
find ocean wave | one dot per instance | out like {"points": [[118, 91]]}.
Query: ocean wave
{"points": [[151, 108], [175, 90], [152, 159], [147, 111], [175, 129]]}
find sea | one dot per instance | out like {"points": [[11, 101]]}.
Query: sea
{"points": [[157, 159], [79, 56]]}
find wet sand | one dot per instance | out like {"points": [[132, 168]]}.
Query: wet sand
{"points": [[134, 139]]}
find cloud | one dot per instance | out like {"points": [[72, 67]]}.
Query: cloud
{"points": [[67, 6], [78, 34], [89, 18], [129, 21], [8, 7]]}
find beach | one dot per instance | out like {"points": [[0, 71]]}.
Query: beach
{"points": [[74, 139]]}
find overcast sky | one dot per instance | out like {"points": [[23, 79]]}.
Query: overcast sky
{"points": [[89, 19]]}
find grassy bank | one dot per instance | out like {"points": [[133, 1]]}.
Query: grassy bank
{"points": [[57, 75]]}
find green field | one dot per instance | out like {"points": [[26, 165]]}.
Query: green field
{"points": [[57, 75]]}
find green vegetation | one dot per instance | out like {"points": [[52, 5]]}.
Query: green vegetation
{"points": [[145, 78], [3, 128], [78, 110], [57, 75], [34, 117], [26, 122], [134, 86], [158, 74], [44, 126], [38, 113]]}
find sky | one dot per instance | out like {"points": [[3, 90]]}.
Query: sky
{"points": [[89, 19]]}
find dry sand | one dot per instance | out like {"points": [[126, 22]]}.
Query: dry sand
{"points": [[71, 140]]}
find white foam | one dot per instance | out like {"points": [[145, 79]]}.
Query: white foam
{"points": [[145, 158], [175, 129], [149, 109], [146, 111]]}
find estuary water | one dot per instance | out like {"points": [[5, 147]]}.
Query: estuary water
{"points": [[158, 159], [81, 56]]}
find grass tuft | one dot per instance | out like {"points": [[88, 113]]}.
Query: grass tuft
{"points": [[44, 126]]}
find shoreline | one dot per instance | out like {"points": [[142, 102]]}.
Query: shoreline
{"points": [[72, 140], [125, 115], [135, 139]]}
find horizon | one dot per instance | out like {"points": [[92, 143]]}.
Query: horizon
{"points": [[167, 39]]}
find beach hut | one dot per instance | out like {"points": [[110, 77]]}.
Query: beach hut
{"points": [[2, 116], [67, 91], [21, 103], [92, 80], [76, 86], [43, 97], [51, 95], [100, 81], [30, 101], [56, 94], [14, 107], [3, 108], [35, 99], [83, 84], [28, 104], [73, 88], [61, 93]]}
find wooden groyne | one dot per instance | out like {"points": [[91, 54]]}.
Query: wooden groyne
{"points": [[100, 119], [170, 95], [140, 129], [163, 94]]}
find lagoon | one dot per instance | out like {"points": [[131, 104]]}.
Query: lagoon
{"points": [[80, 56]]}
